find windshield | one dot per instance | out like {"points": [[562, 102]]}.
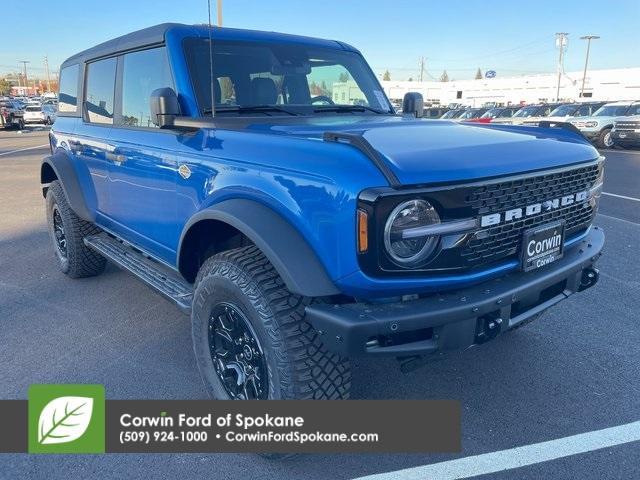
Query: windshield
{"points": [[33, 108], [493, 113], [473, 113], [291, 79], [527, 111], [452, 114], [611, 111], [564, 111]]}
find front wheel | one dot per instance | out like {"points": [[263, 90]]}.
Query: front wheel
{"points": [[604, 139], [250, 337]]}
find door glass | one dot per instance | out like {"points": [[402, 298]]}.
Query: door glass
{"points": [[143, 72], [101, 79], [68, 94]]}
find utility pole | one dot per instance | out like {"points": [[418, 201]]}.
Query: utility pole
{"points": [[219, 13], [24, 72], [588, 38], [561, 43], [422, 65], [46, 70]]}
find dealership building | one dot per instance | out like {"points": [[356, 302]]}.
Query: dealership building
{"points": [[613, 84]]}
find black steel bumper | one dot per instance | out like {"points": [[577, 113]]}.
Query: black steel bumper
{"points": [[459, 319]]}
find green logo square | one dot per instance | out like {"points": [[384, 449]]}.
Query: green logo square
{"points": [[66, 419]]}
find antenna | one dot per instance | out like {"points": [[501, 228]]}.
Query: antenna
{"points": [[213, 98]]}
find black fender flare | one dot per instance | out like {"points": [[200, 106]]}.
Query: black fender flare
{"points": [[287, 250], [64, 171]]}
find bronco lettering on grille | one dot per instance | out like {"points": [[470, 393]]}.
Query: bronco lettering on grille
{"points": [[534, 209]]}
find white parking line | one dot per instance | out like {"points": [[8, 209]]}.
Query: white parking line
{"points": [[23, 149], [621, 196], [517, 457]]}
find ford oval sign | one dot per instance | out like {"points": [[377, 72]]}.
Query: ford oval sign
{"points": [[490, 74]]}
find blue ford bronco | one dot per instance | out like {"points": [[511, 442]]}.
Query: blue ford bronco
{"points": [[264, 183]]}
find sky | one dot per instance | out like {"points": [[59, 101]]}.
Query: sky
{"points": [[510, 37]]}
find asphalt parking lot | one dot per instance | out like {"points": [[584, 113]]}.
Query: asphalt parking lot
{"points": [[574, 371]]}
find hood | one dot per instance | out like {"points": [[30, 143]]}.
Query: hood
{"points": [[422, 151]]}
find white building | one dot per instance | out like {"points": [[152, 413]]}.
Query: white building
{"points": [[614, 84]]}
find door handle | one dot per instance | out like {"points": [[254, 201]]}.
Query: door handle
{"points": [[75, 146], [115, 157]]}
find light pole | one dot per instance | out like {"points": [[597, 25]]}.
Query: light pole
{"points": [[588, 38], [561, 43]]}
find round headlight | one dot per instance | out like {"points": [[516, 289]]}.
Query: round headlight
{"points": [[403, 242]]}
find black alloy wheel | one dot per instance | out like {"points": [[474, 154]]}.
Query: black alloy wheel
{"points": [[237, 356], [58, 232]]}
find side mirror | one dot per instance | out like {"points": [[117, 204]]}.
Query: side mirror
{"points": [[164, 107], [413, 103]]}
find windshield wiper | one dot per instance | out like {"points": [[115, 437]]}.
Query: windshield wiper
{"points": [[346, 108], [251, 109]]}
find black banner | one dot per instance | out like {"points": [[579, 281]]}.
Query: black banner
{"points": [[279, 426]]}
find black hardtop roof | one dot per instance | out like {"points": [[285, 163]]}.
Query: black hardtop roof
{"points": [[157, 33]]}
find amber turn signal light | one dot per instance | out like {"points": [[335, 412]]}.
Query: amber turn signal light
{"points": [[363, 231]]}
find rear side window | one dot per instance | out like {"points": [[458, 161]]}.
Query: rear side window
{"points": [[99, 91], [143, 72], [68, 94]]}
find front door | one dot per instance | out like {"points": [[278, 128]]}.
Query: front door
{"points": [[143, 166]]}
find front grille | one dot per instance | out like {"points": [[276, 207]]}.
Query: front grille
{"points": [[503, 241], [627, 125]]}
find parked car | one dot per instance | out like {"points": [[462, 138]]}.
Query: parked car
{"points": [[597, 127], [298, 235], [564, 112], [11, 115], [626, 132], [472, 114], [40, 114], [496, 112], [527, 112]]}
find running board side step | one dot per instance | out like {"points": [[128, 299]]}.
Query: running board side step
{"points": [[159, 277]]}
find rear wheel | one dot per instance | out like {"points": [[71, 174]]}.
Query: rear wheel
{"points": [[67, 232], [250, 337]]}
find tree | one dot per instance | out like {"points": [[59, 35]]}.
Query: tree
{"points": [[444, 77], [411, 79], [5, 86], [479, 74], [386, 76], [344, 77]]}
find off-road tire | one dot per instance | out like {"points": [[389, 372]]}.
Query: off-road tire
{"points": [[602, 136], [79, 261], [298, 364]]}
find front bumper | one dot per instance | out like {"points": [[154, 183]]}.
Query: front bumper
{"points": [[456, 320], [625, 137]]}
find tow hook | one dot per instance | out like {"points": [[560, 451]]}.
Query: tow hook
{"points": [[589, 278], [488, 328]]}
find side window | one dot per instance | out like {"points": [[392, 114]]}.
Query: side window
{"points": [[99, 91], [583, 111], [143, 72], [68, 93]]}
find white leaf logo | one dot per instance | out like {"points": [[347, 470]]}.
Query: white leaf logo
{"points": [[64, 419]]}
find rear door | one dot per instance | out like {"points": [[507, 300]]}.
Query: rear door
{"points": [[143, 165], [90, 142]]}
